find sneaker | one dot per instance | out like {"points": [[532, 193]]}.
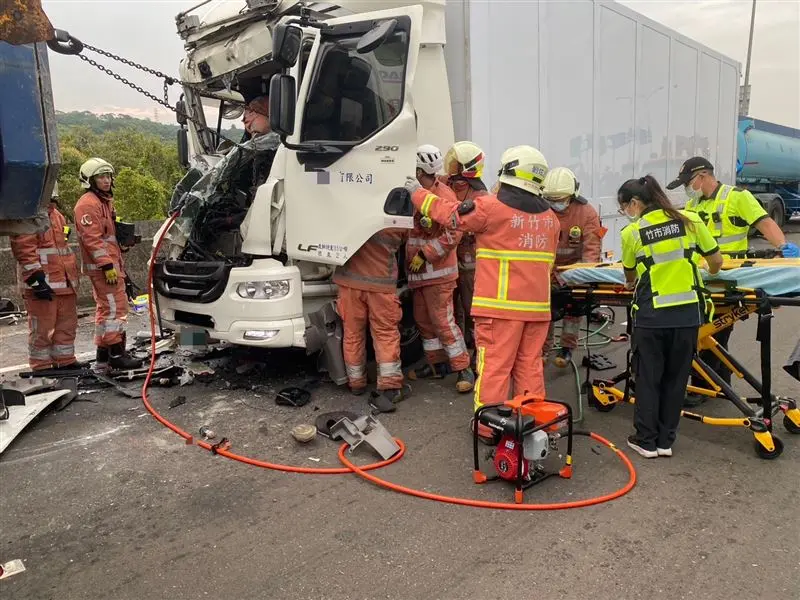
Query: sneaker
{"points": [[563, 358], [664, 451], [633, 444], [466, 381], [436, 371]]}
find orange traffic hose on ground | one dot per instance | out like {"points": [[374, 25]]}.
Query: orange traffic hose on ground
{"points": [[362, 471]]}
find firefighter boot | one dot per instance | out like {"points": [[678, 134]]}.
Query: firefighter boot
{"points": [[100, 365], [120, 360], [563, 358], [465, 381], [436, 371]]}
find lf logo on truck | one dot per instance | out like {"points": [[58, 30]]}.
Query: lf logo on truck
{"points": [[309, 248]]}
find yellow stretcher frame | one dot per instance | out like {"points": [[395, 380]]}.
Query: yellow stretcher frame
{"points": [[731, 305]]}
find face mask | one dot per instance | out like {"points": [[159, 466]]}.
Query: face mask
{"points": [[559, 206], [692, 193]]}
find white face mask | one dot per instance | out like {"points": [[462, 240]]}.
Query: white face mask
{"points": [[559, 207], [692, 193]]}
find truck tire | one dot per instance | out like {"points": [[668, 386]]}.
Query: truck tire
{"points": [[777, 211]]}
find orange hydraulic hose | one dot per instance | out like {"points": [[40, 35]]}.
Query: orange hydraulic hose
{"points": [[349, 466], [205, 445], [502, 505]]}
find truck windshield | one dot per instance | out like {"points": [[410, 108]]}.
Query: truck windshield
{"points": [[352, 95]]}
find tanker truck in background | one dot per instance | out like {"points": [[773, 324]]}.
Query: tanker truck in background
{"points": [[768, 164]]}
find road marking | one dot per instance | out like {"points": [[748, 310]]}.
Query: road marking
{"points": [[19, 367]]}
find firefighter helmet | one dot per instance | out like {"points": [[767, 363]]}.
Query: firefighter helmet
{"points": [[465, 159], [92, 167], [523, 167], [560, 182], [429, 159]]}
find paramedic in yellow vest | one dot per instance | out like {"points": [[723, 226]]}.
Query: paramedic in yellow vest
{"points": [[728, 212], [658, 249]]}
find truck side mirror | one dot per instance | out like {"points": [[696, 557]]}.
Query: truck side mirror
{"points": [[398, 203], [376, 36], [183, 148], [286, 45], [282, 104]]}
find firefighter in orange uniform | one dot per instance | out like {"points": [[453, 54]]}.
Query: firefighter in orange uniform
{"points": [[581, 236], [432, 274], [464, 167], [516, 233], [367, 285], [49, 271], [102, 262]]}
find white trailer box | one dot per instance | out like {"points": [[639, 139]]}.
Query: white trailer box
{"points": [[596, 87]]}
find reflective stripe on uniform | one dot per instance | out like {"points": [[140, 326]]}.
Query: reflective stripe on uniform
{"points": [[99, 253], [58, 285], [663, 257], [510, 304], [390, 369], [479, 364], [110, 239], [32, 267], [663, 300], [354, 371], [62, 350], [730, 239], [432, 345], [39, 353], [457, 348], [425, 207], [425, 275]]}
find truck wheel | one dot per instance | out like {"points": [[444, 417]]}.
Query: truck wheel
{"points": [[777, 212]]}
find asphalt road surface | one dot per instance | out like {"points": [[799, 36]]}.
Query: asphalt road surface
{"points": [[101, 501]]}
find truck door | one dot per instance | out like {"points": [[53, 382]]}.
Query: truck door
{"points": [[355, 109]]}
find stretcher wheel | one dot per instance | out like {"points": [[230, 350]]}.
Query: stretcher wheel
{"points": [[766, 454], [789, 425]]}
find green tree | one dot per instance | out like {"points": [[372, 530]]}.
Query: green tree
{"points": [[139, 196]]}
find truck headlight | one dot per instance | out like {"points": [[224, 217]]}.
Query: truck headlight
{"points": [[263, 290]]}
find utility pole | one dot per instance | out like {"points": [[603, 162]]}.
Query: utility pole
{"points": [[744, 100]]}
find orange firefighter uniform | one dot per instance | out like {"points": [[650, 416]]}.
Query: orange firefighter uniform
{"points": [[94, 220], [433, 282], [367, 285], [516, 234], [581, 241], [49, 272], [465, 253]]}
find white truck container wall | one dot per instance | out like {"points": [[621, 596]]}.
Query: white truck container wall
{"points": [[596, 87]]}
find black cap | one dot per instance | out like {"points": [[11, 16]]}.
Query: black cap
{"points": [[689, 169]]}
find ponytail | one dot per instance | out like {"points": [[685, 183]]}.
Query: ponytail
{"points": [[649, 192]]}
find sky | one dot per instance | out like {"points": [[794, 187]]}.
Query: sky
{"points": [[144, 31]]}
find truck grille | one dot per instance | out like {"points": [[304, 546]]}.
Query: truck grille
{"points": [[200, 282]]}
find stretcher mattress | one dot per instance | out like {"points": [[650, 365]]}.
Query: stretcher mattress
{"points": [[776, 277]]}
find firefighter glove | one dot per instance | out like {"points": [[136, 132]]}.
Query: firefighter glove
{"points": [[417, 262], [412, 185], [38, 283], [110, 273]]}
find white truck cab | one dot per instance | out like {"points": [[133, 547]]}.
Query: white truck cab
{"points": [[252, 254]]}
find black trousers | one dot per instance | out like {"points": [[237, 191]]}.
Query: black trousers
{"points": [[661, 360], [712, 361]]}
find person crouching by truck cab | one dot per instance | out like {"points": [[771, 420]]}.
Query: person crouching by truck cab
{"points": [[49, 272], [658, 249], [580, 242], [516, 234], [102, 263], [728, 212], [463, 165], [432, 273]]}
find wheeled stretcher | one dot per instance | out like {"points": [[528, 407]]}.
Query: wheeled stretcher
{"points": [[743, 287]]}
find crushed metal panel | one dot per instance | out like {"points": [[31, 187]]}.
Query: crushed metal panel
{"points": [[20, 416], [24, 22]]}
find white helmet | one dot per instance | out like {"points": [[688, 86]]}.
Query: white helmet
{"points": [[560, 182], [523, 167], [92, 167], [429, 159]]}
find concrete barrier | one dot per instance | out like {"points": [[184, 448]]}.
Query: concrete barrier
{"points": [[135, 265]]}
